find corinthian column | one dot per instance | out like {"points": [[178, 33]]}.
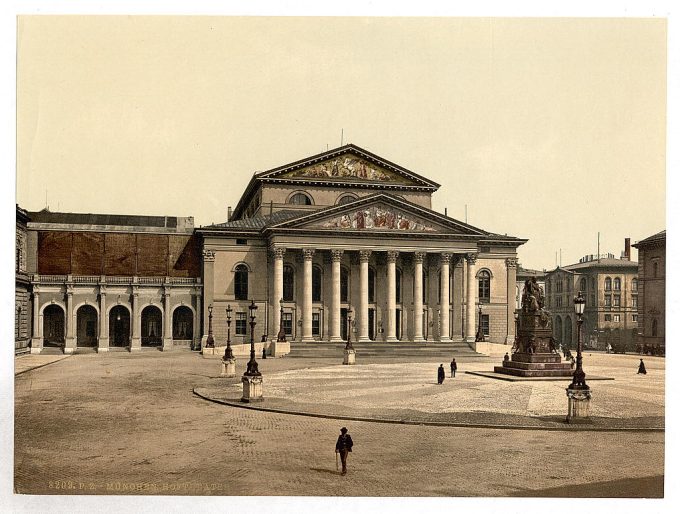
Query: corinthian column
{"points": [[418, 296], [511, 265], [278, 289], [471, 259], [444, 312], [307, 254], [364, 255], [392, 295], [334, 329]]}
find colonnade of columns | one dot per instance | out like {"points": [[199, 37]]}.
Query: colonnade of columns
{"points": [[361, 314]]}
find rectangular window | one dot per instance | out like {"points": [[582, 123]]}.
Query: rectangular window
{"points": [[316, 324], [288, 323], [635, 318], [634, 305], [592, 300], [241, 241], [241, 324], [485, 324], [607, 300], [617, 300], [607, 317], [617, 318], [558, 301]]}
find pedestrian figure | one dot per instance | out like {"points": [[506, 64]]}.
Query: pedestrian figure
{"points": [[264, 352], [573, 362], [506, 358], [440, 374], [641, 368], [343, 447], [454, 367]]}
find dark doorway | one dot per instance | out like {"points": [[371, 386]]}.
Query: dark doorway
{"points": [[343, 324], [183, 324], [119, 327], [371, 324], [53, 326], [398, 327], [86, 325], [152, 326]]}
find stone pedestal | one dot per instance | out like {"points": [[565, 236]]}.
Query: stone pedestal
{"points": [[252, 388], [350, 357], [279, 348], [579, 405], [228, 368], [167, 345]]}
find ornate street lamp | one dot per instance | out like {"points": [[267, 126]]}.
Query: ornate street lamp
{"points": [[579, 380], [210, 342], [228, 354], [516, 325], [251, 370], [349, 346], [479, 338], [281, 337]]}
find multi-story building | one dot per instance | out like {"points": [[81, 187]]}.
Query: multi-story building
{"points": [[610, 288], [22, 291], [347, 230], [652, 294], [112, 281]]}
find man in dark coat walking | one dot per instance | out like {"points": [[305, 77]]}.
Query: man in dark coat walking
{"points": [[454, 367], [343, 447], [440, 374], [641, 368]]}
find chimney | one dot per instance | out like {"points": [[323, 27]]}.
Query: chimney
{"points": [[627, 251], [229, 213]]}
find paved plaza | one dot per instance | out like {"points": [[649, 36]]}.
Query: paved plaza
{"points": [[123, 423]]}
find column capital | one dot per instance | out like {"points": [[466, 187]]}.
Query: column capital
{"points": [[392, 255], [208, 255], [308, 253], [336, 255], [419, 257], [364, 255], [471, 258], [277, 252], [511, 262], [445, 257], [69, 289], [102, 290]]}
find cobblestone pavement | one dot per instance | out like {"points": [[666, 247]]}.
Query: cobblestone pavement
{"points": [[130, 424], [27, 362]]}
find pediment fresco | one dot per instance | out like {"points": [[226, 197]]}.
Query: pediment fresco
{"points": [[348, 167], [376, 217]]}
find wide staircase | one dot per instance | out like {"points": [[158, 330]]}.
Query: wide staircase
{"points": [[381, 349]]}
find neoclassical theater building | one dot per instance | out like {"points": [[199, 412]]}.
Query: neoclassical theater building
{"points": [[348, 233]]}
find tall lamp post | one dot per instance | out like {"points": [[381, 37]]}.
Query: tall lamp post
{"points": [[251, 370], [579, 380], [228, 354], [210, 342], [516, 326], [479, 338], [350, 353], [578, 392], [281, 337]]}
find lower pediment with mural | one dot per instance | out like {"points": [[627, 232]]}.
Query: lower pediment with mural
{"points": [[376, 217]]}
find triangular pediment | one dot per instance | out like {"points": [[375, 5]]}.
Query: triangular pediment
{"points": [[381, 213], [348, 165]]}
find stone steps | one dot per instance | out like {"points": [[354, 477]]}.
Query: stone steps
{"points": [[401, 349]]}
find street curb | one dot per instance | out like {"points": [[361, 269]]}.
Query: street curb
{"points": [[566, 428], [41, 366]]}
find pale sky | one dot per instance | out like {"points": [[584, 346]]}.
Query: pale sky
{"points": [[548, 129]]}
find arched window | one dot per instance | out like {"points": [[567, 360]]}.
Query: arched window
{"points": [[655, 270], [398, 285], [344, 284], [592, 283], [371, 285], [316, 284], [568, 284], [655, 327], [288, 283], [346, 198], [584, 285], [634, 284], [241, 282], [300, 199], [607, 284], [484, 280], [617, 284]]}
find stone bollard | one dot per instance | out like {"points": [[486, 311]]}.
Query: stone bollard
{"points": [[350, 356], [579, 405], [252, 388], [228, 368]]}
